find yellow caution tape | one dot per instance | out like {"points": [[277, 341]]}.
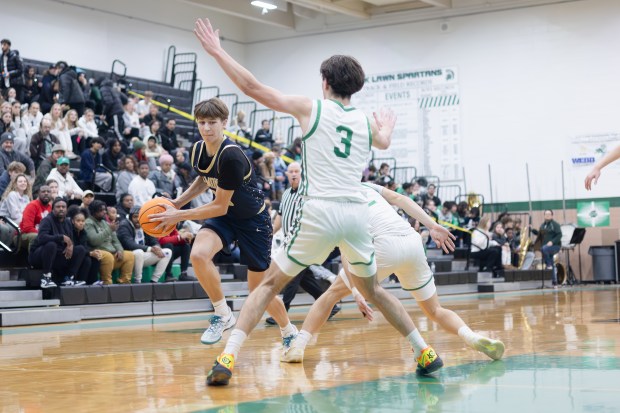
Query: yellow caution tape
{"points": [[449, 225], [227, 133]]}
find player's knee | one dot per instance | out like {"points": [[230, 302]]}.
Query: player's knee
{"points": [[200, 255]]}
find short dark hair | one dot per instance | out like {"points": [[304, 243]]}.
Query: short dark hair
{"points": [[214, 108], [550, 210], [96, 206], [344, 74], [383, 165], [143, 163], [407, 185], [5, 41]]}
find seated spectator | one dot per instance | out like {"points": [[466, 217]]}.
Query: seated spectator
{"points": [[499, 236], [31, 121], [90, 169], [146, 249], [181, 156], [47, 165], [280, 170], [42, 142], [430, 194], [445, 214], [143, 105], [153, 152], [59, 129], [152, 116], [384, 174], [75, 131], [112, 216], [132, 122], [164, 179], [67, 187], [268, 172], [372, 173], [184, 178], [257, 162], [124, 206], [127, 171], [15, 198], [19, 135], [180, 243], [14, 169], [33, 214], [103, 237], [141, 188], [53, 184], [87, 199], [168, 136], [90, 266], [485, 249], [20, 128], [139, 151], [263, 135], [89, 128], [53, 249], [113, 155]]}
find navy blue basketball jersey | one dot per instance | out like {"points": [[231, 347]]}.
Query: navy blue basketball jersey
{"points": [[230, 169]]}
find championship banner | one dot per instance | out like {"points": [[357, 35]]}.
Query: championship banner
{"points": [[428, 129]]}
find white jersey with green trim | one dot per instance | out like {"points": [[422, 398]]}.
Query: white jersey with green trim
{"points": [[335, 152], [382, 217]]}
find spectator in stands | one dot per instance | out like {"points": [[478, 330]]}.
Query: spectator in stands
{"points": [[168, 136], [47, 165], [14, 169], [113, 109], [431, 208], [124, 206], [446, 212], [257, 161], [90, 266], [33, 214], [53, 249], [46, 98], [31, 85], [127, 172], [183, 179], [498, 235], [102, 237], [131, 121], [12, 69], [19, 135], [263, 135], [484, 249], [87, 199], [268, 172], [180, 156], [154, 129], [11, 95], [59, 129], [143, 105], [53, 184], [430, 194], [112, 217], [141, 188], [153, 152], [75, 130], [43, 141], [180, 243], [8, 155], [32, 120], [15, 198], [152, 116], [91, 169], [89, 128], [113, 155], [280, 170], [164, 178], [146, 249], [67, 187], [384, 173], [240, 126], [18, 124], [71, 94], [552, 241]]}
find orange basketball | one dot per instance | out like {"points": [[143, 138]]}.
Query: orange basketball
{"points": [[154, 206]]}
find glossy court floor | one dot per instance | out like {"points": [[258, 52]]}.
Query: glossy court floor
{"points": [[563, 355]]}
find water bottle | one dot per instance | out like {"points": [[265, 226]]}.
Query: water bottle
{"points": [[433, 267]]}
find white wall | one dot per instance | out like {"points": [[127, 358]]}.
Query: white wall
{"points": [[530, 79], [92, 33]]}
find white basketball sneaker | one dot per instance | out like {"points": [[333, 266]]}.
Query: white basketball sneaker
{"points": [[292, 353], [213, 334], [492, 348]]}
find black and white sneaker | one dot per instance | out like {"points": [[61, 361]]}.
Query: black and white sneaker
{"points": [[79, 282], [47, 282], [68, 282]]}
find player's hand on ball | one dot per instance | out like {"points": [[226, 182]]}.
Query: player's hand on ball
{"points": [[592, 178], [443, 238], [364, 308], [165, 219]]}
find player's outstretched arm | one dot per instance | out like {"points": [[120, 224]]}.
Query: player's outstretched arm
{"points": [[382, 126], [196, 188], [594, 174], [440, 235], [298, 106]]}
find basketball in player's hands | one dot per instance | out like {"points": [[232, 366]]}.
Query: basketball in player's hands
{"points": [[154, 206]]}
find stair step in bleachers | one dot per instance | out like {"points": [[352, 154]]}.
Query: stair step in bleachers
{"points": [[12, 284], [29, 303], [497, 287], [5, 275], [181, 306], [98, 311], [20, 295], [24, 317]]}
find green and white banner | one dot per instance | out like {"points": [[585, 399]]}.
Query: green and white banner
{"points": [[428, 129], [593, 214]]}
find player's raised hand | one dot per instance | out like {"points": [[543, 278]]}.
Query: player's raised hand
{"points": [[443, 238], [209, 38], [386, 118], [592, 178]]}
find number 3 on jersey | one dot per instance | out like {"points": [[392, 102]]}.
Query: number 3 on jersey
{"points": [[346, 140]]}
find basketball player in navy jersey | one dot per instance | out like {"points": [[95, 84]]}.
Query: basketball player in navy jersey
{"points": [[237, 213]]}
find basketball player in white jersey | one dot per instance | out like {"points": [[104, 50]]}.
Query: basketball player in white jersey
{"points": [[334, 212], [399, 251]]}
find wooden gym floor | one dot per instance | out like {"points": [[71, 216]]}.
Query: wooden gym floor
{"points": [[563, 355]]}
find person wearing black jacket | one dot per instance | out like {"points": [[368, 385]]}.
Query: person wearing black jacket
{"points": [[169, 136], [70, 92], [12, 71], [53, 249], [113, 107], [146, 249], [90, 266]]}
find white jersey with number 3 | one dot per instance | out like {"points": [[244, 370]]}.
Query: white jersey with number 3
{"points": [[335, 152]]}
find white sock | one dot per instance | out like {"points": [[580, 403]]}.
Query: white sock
{"points": [[288, 330], [235, 341], [303, 338], [417, 342], [469, 336], [221, 308]]}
